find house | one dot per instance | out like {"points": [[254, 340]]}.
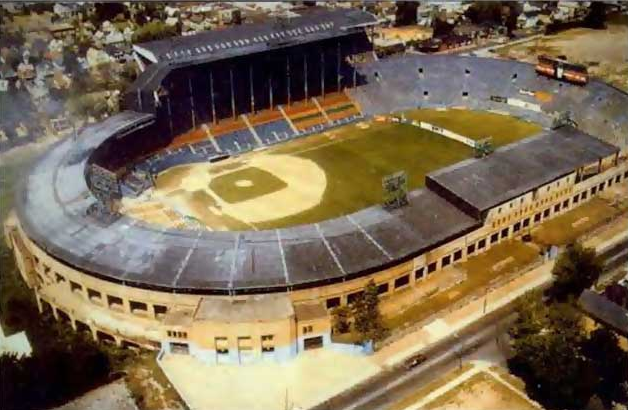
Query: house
{"points": [[16, 344]]}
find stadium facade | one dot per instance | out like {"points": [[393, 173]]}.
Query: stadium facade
{"points": [[236, 297]]}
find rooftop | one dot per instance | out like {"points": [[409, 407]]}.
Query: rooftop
{"points": [[487, 182], [253, 309], [244, 39], [605, 311]]}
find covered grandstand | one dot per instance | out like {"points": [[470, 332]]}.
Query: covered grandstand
{"points": [[156, 277]]}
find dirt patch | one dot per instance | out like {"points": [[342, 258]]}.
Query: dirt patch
{"points": [[481, 392]]}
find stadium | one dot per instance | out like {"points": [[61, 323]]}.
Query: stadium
{"points": [[238, 197]]}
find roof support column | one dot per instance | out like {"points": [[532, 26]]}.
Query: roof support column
{"points": [[338, 67], [211, 95], [252, 89], [305, 74], [270, 90], [355, 72], [233, 107], [288, 72], [139, 99], [169, 113], [323, 73], [192, 103]]}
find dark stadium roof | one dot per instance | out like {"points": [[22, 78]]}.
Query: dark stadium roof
{"points": [[52, 210], [52, 204], [490, 181], [251, 38]]}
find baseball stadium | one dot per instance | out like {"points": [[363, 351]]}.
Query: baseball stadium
{"points": [[259, 176]]}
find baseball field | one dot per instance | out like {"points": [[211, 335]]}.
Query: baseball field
{"points": [[318, 177]]}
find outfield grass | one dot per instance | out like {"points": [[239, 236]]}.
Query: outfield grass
{"points": [[353, 159], [503, 129], [357, 159]]}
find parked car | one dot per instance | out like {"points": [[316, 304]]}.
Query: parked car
{"points": [[414, 361]]}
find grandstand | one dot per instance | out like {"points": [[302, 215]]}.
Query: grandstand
{"points": [[206, 104]]}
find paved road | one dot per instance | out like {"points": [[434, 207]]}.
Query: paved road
{"points": [[394, 383]]}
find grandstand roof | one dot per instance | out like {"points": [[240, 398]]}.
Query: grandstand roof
{"points": [[490, 181], [52, 204], [251, 38]]}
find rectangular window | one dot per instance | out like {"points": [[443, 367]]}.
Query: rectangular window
{"points": [[583, 196], [457, 255], [160, 310], [138, 306], [382, 288], [537, 217], [333, 302], [59, 278], [446, 261], [601, 187], [431, 267], [575, 199], [617, 178], [402, 281], [471, 249], [481, 243], [546, 213], [222, 345], [526, 222], [516, 227], [352, 297], [593, 190], [565, 203], [610, 182], [504, 233], [556, 207], [494, 238], [418, 274]]}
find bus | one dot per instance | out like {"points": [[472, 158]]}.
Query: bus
{"points": [[562, 70]]}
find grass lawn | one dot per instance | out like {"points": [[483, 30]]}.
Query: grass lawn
{"points": [[512, 255], [566, 228], [428, 388], [245, 184], [503, 129], [356, 160]]}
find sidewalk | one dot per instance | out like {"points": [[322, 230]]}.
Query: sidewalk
{"points": [[455, 321]]}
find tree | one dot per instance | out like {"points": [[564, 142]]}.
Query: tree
{"points": [[610, 362], [155, 30], [489, 12], [405, 13], [341, 316], [576, 269], [547, 342], [366, 315]]}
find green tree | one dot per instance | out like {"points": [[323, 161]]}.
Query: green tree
{"points": [[576, 269], [341, 316], [611, 364], [547, 344], [366, 315], [155, 30]]}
